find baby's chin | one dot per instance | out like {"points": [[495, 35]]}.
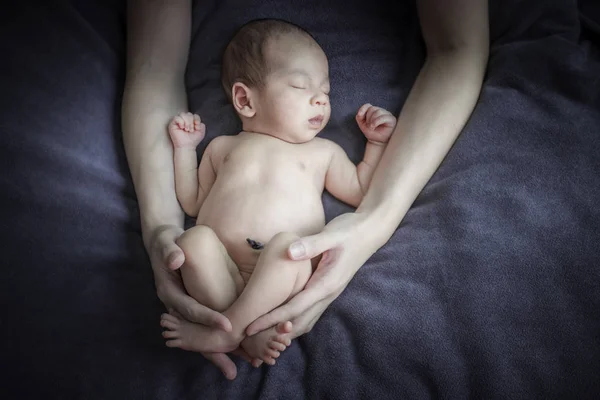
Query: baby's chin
{"points": [[297, 137]]}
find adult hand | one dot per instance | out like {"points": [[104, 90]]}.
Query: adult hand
{"points": [[345, 244], [166, 257]]}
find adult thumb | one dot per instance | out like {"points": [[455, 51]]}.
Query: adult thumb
{"points": [[311, 246], [173, 256]]}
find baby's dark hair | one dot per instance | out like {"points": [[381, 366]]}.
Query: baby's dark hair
{"points": [[244, 59]]}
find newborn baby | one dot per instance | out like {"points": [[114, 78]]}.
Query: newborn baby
{"points": [[255, 193]]}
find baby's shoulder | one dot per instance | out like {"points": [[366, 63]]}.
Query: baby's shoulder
{"points": [[321, 144], [221, 144], [325, 147], [219, 148]]}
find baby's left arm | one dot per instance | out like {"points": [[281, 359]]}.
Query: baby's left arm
{"points": [[349, 182]]}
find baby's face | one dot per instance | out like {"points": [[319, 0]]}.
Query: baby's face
{"points": [[294, 104]]}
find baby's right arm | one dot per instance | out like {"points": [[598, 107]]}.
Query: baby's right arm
{"points": [[192, 184]]}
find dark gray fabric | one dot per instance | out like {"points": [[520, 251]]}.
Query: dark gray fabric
{"points": [[489, 289]]}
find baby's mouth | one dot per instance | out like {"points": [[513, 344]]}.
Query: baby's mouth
{"points": [[316, 121]]}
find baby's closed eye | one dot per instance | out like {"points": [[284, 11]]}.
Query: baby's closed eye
{"points": [[298, 86], [299, 82]]}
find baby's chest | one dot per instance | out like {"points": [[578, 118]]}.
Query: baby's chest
{"points": [[274, 166]]}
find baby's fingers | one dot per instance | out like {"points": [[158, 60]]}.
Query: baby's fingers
{"points": [[188, 119], [373, 112], [373, 115], [362, 110], [385, 119], [197, 121], [179, 122]]}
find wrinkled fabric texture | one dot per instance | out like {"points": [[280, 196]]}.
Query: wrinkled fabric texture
{"points": [[490, 288]]}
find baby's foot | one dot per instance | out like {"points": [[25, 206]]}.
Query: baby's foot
{"points": [[186, 130], [267, 345], [195, 337]]}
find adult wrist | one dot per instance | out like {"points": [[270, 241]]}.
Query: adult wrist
{"points": [[153, 224], [184, 149], [380, 220]]}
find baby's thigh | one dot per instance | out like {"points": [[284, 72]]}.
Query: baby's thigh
{"points": [[209, 274], [276, 257]]}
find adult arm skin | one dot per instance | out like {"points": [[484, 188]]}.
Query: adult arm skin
{"points": [[158, 40], [456, 35]]}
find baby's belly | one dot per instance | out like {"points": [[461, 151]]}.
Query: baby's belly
{"points": [[259, 216]]}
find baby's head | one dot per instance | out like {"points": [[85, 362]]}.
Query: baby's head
{"points": [[277, 77]]}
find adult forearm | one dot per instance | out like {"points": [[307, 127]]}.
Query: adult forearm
{"points": [[439, 105], [150, 157], [158, 35]]}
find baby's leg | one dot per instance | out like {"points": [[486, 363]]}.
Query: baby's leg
{"points": [[210, 277], [275, 279], [209, 274]]}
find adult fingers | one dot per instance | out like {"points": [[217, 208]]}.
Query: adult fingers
{"points": [[224, 363], [173, 256], [242, 353], [193, 311], [164, 246], [306, 321], [311, 246], [289, 311]]}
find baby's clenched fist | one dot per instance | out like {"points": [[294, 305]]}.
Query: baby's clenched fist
{"points": [[186, 130], [376, 123]]}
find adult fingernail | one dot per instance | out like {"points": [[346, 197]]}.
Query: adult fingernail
{"points": [[297, 250], [172, 257]]}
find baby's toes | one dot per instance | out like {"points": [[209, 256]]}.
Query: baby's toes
{"points": [[169, 317], [169, 321], [269, 360], [174, 343], [168, 324], [277, 345], [283, 339], [271, 353], [170, 334], [284, 327]]}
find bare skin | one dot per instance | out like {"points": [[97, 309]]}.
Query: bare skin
{"points": [[264, 184], [456, 36]]}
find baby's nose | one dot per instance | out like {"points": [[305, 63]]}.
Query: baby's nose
{"points": [[319, 100]]}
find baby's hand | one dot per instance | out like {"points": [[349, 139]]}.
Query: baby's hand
{"points": [[186, 130], [376, 123]]}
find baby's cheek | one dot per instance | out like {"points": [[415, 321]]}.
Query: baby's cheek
{"points": [[288, 108]]}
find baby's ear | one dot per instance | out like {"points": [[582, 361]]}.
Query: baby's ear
{"points": [[243, 101]]}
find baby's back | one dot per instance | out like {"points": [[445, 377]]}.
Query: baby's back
{"points": [[264, 186]]}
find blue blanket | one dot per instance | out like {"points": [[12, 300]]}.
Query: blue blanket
{"points": [[490, 288]]}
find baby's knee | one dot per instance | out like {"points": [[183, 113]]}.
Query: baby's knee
{"points": [[199, 235], [283, 239], [277, 248]]}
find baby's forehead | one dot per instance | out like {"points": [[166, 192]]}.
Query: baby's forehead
{"points": [[299, 58]]}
